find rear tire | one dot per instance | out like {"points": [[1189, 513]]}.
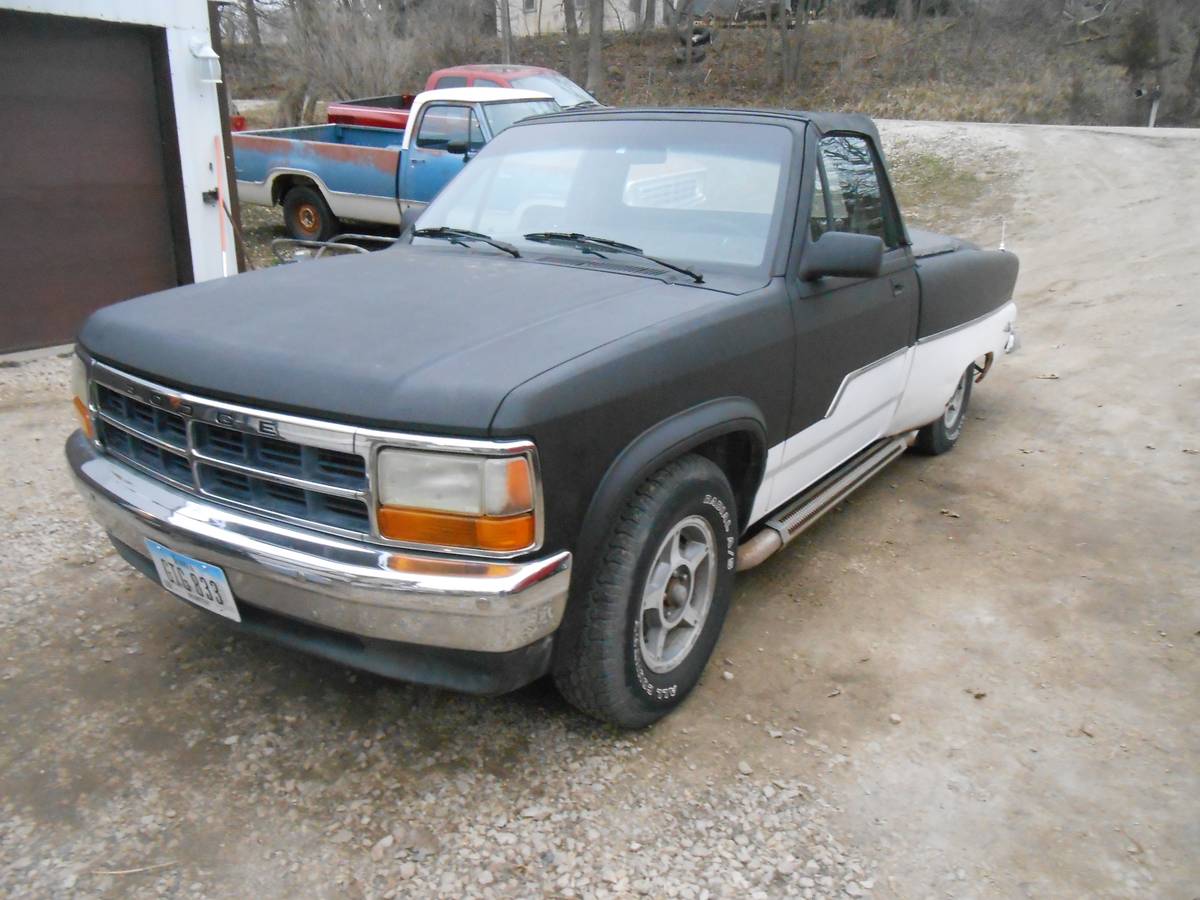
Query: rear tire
{"points": [[940, 436], [307, 215], [654, 608]]}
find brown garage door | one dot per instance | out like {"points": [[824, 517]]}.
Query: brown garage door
{"points": [[90, 197]]}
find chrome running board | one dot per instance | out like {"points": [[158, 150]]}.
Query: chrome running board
{"points": [[794, 518]]}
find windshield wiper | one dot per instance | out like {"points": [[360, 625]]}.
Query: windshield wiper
{"points": [[462, 237], [589, 244]]}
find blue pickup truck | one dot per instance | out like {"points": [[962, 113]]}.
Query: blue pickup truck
{"points": [[322, 173]]}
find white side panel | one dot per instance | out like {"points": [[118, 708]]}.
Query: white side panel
{"points": [[859, 414], [764, 500], [345, 206], [939, 361], [254, 193], [364, 208]]}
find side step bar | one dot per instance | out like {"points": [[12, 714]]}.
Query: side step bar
{"points": [[790, 521]]}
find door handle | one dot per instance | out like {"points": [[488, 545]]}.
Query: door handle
{"points": [[897, 288], [418, 162]]}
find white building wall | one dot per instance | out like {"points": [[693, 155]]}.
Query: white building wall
{"points": [[534, 17], [197, 114]]}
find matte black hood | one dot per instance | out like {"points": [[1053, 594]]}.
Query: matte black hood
{"points": [[419, 338]]}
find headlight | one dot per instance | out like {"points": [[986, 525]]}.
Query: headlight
{"points": [[79, 396], [456, 500]]}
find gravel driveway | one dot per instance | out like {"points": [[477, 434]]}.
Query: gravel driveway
{"points": [[978, 679]]}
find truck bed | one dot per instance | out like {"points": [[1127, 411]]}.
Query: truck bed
{"points": [[959, 281], [357, 166]]}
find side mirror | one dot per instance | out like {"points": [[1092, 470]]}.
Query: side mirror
{"points": [[457, 147], [841, 253]]}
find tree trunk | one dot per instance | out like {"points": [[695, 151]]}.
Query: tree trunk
{"points": [[781, 23], [488, 18], [289, 108], [649, 15], [397, 13], [1192, 82], [684, 18], [506, 38], [251, 9], [574, 47], [595, 59]]}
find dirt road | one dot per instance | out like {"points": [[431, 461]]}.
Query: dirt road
{"points": [[978, 678]]}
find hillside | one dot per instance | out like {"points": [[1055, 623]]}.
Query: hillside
{"points": [[957, 69]]}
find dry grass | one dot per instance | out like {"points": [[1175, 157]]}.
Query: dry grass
{"points": [[948, 71]]}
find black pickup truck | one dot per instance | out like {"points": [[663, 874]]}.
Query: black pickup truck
{"points": [[622, 356]]}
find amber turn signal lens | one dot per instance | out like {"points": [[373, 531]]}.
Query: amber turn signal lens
{"points": [[85, 420], [418, 526]]}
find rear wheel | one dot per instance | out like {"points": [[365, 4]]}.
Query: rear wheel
{"points": [[940, 436], [656, 604], [307, 215]]}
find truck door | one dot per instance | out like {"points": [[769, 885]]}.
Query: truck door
{"points": [[852, 335], [431, 164]]}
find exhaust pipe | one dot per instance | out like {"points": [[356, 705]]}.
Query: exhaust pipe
{"points": [[758, 549]]}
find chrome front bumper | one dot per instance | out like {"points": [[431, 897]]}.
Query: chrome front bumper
{"points": [[330, 582]]}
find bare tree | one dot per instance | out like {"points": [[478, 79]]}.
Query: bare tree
{"points": [[250, 8], [595, 62], [684, 22], [649, 15], [488, 19], [506, 37], [790, 39], [575, 48], [290, 108]]}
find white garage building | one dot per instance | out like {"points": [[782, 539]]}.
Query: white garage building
{"points": [[113, 157]]}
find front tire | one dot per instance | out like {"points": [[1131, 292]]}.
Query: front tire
{"points": [[940, 436], [656, 604]]}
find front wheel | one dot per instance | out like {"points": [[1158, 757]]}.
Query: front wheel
{"points": [[655, 606], [941, 435]]}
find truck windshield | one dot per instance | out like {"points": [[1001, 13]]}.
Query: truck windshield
{"points": [[702, 194], [503, 115], [562, 89]]}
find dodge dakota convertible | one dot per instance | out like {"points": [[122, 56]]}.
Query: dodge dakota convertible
{"points": [[621, 357], [320, 174]]}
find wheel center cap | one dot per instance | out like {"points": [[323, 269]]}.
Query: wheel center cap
{"points": [[677, 595]]}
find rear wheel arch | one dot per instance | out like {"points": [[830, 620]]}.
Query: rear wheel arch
{"points": [[281, 184]]}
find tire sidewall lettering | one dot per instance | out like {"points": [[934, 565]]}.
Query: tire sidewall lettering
{"points": [[667, 687]]}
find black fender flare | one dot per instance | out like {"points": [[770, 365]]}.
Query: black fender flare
{"points": [[663, 442], [642, 457]]}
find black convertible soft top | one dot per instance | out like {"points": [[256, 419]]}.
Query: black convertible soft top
{"points": [[825, 122]]}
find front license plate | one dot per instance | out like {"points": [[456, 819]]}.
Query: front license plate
{"points": [[196, 582]]}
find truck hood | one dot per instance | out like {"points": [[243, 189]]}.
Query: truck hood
{"points": [[413, 338]]}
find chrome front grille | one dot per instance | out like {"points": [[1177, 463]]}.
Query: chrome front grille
{"points": [[296, 470]]}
